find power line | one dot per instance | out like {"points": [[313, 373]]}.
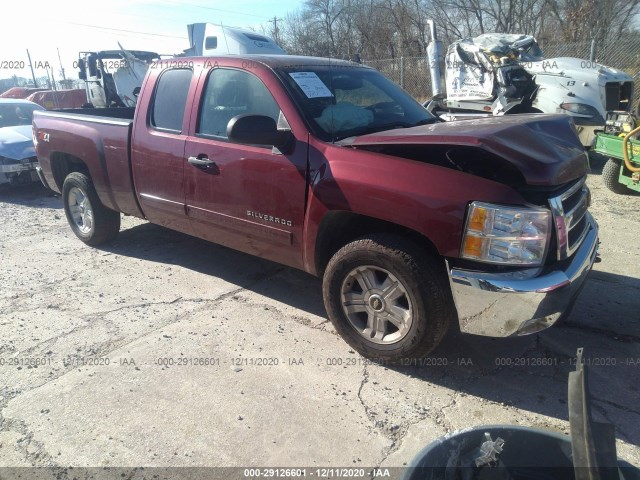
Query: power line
{"points": [[125, 31], [235, 12]]}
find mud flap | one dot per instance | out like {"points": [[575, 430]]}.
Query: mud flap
{"points": [[593, 444]]}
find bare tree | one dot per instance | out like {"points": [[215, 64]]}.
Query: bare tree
{"points": [[394, 28], [601, 20]]}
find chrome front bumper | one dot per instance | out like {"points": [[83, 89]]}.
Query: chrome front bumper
{"points": [[523, 301]]}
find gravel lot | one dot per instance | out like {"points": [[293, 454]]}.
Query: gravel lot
{"points": [[164, 350]]}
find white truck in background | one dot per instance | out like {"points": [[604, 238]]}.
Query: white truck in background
{"points": [[208, 39], [497, 74], [114, 77]]}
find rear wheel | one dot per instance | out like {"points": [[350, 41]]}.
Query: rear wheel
{"points": [[90, 220], [387, 298], [611, 177]]}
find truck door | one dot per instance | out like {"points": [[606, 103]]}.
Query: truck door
{"points": [[247, 197], [158, 149]]}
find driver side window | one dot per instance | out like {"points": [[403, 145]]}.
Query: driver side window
{"points": [[229, 93]]}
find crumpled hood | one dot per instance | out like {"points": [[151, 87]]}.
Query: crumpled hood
{"points": [[544, 148], [16, 142]]}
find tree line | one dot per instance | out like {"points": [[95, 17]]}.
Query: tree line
{"points": [[377, 29]]}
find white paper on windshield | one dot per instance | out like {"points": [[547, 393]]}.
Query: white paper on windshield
{"points": [[311, 84]]}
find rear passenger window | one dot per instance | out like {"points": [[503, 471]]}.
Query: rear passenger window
{"points": [[170, 99]]}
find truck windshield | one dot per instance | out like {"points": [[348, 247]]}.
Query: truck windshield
{"points": [[341, 101]]}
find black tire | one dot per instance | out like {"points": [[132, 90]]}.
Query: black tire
{"points": [[423, 279], [105, 223], [611, 175]]}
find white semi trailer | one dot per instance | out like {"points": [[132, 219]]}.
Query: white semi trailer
{"points": [[208, 39], [113, 77]]}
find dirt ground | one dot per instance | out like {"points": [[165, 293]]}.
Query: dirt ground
{"points": [[161, 350]]}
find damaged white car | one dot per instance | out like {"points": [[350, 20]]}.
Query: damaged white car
{"points": [[17, 155]]}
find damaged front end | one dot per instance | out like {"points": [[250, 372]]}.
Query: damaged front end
{"points": [[522, 151], [520, 267], [18, 159], [18, 172]]}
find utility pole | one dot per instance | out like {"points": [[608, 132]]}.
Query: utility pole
{"points": [[33, 75], [275, 21], [53, 81], [61, 68], [48, 79]]}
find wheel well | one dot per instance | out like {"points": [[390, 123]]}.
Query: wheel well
{"points": [[62, 164], [339, 228]]}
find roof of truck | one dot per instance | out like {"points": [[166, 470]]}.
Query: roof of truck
{"points": [[284, 61]]}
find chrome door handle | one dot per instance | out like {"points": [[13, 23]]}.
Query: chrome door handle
{"points": [[200, 161]]}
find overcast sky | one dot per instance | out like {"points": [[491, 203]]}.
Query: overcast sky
{"points": [[42, 26]]}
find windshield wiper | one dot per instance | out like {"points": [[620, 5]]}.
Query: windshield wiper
{"points": [[426, 121], [386, 126]]}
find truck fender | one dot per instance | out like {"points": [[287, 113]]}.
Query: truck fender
{"points": [[85, 147]]}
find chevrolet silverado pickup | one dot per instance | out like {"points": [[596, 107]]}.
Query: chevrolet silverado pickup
{"points": [[329, 167]]}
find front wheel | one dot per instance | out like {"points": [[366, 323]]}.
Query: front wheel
{"points": [[387, 298], [611, 177], [90, 220]]}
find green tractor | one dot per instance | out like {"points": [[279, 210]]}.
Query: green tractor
{"points": [[621, 173]]}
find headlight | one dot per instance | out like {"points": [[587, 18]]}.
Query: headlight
{"points": [[506, 235], [580, 109]]}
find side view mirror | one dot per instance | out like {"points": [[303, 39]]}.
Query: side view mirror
{"points": [[257, 130]]}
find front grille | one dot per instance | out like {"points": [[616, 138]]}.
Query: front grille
{"points": [[570, 218], [618, 95]]}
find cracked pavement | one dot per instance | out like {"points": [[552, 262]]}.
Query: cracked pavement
{"points": [[164, 350]]}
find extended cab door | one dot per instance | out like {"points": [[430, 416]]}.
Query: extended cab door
{"points": [[158, 144], [248, 197]]}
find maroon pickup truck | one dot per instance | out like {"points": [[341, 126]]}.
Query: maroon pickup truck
{"points": [[328, 167]]}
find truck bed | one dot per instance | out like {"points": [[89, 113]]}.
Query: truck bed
{"points": [[102, 139]]}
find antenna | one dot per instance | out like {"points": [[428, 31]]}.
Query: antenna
{"points": [[224, 34]]}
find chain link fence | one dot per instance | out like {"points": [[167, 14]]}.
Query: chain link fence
{"points": [[412, 73]]}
